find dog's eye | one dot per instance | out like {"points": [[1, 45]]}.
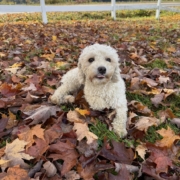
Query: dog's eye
{"points": [[91, 60], [108, 59]]}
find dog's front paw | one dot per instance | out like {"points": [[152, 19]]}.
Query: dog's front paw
{"points": [[55, 99], [69, 99], [121, 132]]}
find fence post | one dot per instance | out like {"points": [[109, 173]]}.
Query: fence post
{"points": [[43, 11], [158, 9], [113, 11]]}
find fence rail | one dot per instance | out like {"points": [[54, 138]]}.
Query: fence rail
{"points": [[71, 8], [171, 9]]}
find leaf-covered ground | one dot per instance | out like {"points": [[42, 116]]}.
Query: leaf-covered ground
{"points": [[39, 140]]}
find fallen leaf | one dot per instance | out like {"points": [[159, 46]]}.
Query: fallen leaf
{"points": [[145, 122], [132, 118], [141, 149], [2, 54], [50, 169], [140, 107], [49, 57], [31, 98], [15, 79], [13, 70], [135, 83], [90, 169], [163, 115], [18, 64], [149, 169], [160, 156], [2, 161], [138, 57], [82, 112], [171, 49], [8, 90], [176, 121], [16, 173], [38, 148], [2, 104], [130, 168], [118, 153], [28, 136], [28, 41], [35, 169], [168, 92], [72, 175], [3, 122], [163, 79], [2, 151], [53, 133], [15, 155], [41, 114], [61, 64], [11, 121], [82, 131], [168, 137], [44, 65], [52, 82], [149, 82], [87, 149], [122, 175], [65, 151], [73, 116], [88, 172], [157, 99], [31, 87], [54, 38]]}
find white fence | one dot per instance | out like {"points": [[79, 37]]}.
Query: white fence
{"points": [[111, 7]]}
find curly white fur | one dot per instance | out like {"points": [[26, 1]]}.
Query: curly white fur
{"points": [[98, 70]]}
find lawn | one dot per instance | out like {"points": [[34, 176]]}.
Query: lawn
{"points": [[39, 140]]}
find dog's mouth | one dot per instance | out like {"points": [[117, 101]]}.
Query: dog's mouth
{"points": [[100, 76]]}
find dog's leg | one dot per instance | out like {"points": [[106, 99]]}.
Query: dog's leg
{"points": [[119, 122], [69, 83]]}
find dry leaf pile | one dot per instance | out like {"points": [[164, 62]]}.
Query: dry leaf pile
{"points": [[39, 140]]}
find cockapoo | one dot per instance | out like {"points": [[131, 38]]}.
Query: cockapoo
{"points": [[98, 70]]}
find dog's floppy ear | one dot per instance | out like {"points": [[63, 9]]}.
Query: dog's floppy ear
{"points": [[116, 75], [81, 76]]}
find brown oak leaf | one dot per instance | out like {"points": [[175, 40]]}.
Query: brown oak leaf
{"points": [[65, 151], [15, 173], [168, 137], [28, 136], [160, 157], [82, 131]]}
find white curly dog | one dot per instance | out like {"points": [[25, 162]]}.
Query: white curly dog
{"points": [[98, 70]]}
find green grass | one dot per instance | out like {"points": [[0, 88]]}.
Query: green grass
{"points": [[174, 103], [157, 63], [4, 141], [152, 136], [145, 100], [120, 15], [56, 16], [100, 129]]}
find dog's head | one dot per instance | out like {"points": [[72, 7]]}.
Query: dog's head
{"points": [[99, 64]]}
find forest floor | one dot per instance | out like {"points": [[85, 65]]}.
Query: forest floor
{"points": [[39, 140]]}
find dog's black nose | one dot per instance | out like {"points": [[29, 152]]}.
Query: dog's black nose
{"points": [[102, 70]]}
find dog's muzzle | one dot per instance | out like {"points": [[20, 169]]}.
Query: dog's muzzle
{"points": [[101, 72]]}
